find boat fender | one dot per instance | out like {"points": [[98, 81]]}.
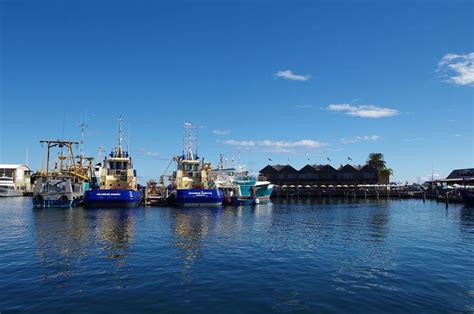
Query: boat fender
{"points": [[63, 198], [38, 198]]}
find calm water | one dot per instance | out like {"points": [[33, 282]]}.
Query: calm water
{"points": [[298, 257]]}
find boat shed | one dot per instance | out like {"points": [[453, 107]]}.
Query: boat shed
{"points": [[457, 176], [19, 173], [321, 175]]}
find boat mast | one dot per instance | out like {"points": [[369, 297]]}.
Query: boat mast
{"points": [[189, 148], [99, 153], [120, 135], [81, 145], [221, 162]]}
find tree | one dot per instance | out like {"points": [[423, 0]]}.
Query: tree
{"points": [[376, 160], [385, 174], [387, 171]]}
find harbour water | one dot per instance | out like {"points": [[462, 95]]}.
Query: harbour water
{"points": [[397, 256]]}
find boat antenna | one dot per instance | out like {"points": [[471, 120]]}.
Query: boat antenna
{"points": [[197, 140], [189, 148], [221, 161], [120, 133], [83, 127], [99, 153]]}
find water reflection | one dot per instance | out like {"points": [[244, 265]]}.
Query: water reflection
{"points": [[63, 238], [378, 222], [115, 229], [191, 226], [66, 237], [466, 216]]}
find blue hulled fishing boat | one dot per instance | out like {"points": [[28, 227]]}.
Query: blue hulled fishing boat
{"points": [[117, 184], [190, 186]]}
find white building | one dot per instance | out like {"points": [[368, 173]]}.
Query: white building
{"points": [[19, 173]]}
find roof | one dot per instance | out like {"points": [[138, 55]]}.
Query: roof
{"points": [[347, 167], [327, 167], [461, 173], [12, 166], [368, 167], [307, 168]]}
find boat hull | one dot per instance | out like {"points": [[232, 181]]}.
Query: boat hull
{"points": [[113, 198], [467, 196], [198, 197], [242, 201], [261, 192], [56, 201], [10, 193]]}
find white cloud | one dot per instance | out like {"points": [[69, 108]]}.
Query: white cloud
{"points": [[240, 143], [275, 146], [363, 111], [220, 132], [289, 75], [146, 153], [360, 139], [459, 69]]}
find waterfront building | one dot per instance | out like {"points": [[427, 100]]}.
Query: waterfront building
{"points": [[321, 175], [458, 176], [19, 173]]}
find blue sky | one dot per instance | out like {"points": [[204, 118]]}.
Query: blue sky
{"points": [[288, 80]]}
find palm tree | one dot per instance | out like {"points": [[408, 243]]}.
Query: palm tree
{"points": [[385, 174], [376, 160], [386, 171]]}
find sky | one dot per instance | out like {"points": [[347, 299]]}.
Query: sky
{"points": [[275, 82]]}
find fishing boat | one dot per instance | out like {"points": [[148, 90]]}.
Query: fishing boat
{"points": [[239, 187], [256, 187], [8, 187], [190, 186], [117, 185], [467, 195], [64, 184]]}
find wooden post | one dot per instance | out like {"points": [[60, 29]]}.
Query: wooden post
{"points": [[447, 199], [146, 197], [377, 196], [365, 194], [424, 197]]}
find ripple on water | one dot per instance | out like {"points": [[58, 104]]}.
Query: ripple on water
{"points": [[283, 257]]}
